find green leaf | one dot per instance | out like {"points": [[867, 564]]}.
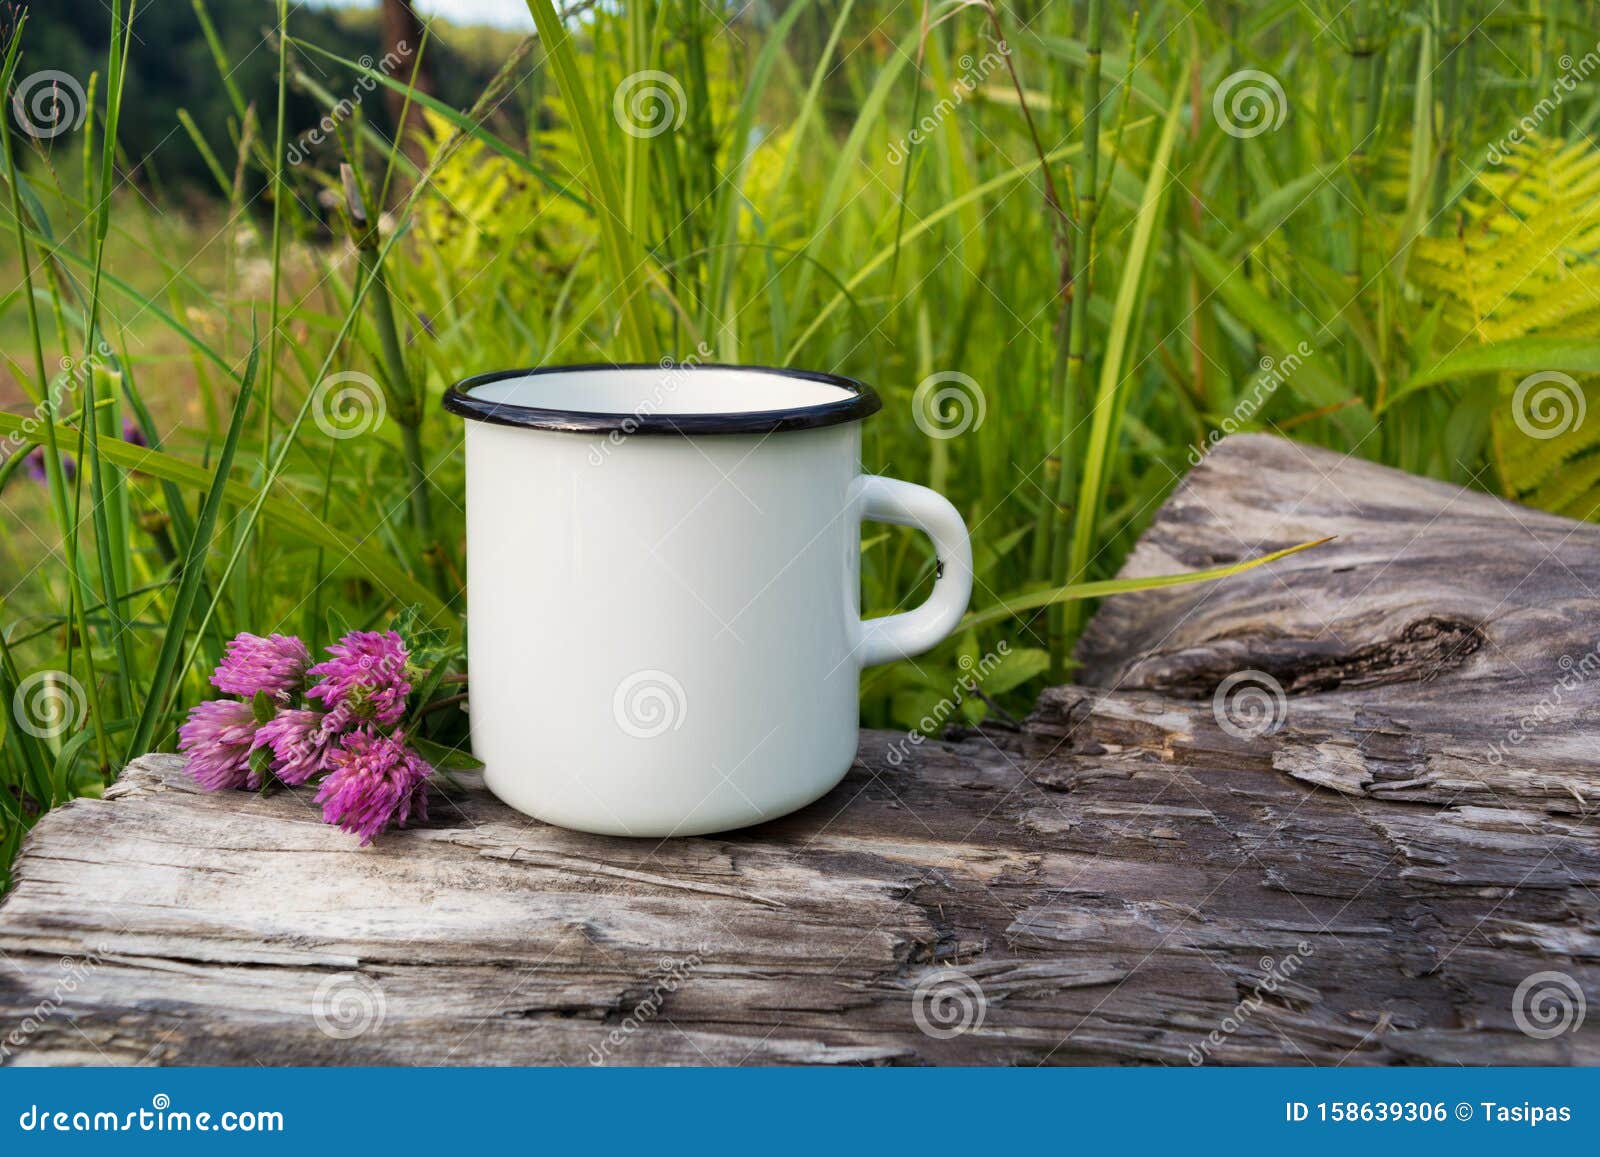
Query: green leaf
{"points": [[264, 707], [733, 199], [430, 685], [1016, 667], [74, 747], [1072, 591], [1314, 379], [261, 764], [1523, 355], [338, 625], [362, 552], [618, 246], [926, 225], [1103, 431], [166, 673], [459, 120], [446, 758], [1272, 211]]}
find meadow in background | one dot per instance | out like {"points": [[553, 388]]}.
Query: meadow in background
{"points": [[1071, 244]]}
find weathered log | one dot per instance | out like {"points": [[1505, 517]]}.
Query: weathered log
{"points": [[1397, 861]]}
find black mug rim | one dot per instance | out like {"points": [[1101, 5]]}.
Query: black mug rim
{"points": [[861, 401]]}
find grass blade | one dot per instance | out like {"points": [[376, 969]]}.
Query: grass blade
{"points": [[617, 244], [289, 515], [164, 675], [1073, 592], [1522, 355]]}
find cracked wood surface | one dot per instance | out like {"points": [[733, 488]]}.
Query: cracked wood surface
{"points": [[1125, 880]]}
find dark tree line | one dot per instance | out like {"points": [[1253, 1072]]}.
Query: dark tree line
{"points": [[172, 67]]}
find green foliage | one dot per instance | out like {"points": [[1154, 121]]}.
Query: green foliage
{"points": [[173, 68], [1519, 292]]}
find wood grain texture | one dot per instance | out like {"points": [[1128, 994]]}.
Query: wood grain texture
{"points": [[1353, 877]]}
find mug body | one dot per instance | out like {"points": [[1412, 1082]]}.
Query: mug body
{"points": [[662, 611]]}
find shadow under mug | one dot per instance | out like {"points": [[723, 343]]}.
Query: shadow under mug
{"points": [[663, 570]]}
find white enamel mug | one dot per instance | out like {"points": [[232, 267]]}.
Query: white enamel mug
{"points": [[664, 633]]}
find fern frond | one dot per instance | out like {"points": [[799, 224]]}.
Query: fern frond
{"points": [[1525, 262]]}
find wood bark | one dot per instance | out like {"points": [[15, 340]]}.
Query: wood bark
{"points": [[1395, 862]]}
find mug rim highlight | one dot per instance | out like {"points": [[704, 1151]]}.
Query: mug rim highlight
{"points": [[861, 400]]}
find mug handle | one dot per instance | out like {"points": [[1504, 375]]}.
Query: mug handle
{"points": [[892, 637]]}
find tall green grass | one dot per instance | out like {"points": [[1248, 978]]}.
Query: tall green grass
{"points": [[1051, 210]]}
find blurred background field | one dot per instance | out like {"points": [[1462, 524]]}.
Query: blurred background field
{"points": [[1071, 243]]}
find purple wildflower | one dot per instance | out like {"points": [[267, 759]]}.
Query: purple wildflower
{"points": [[275, 664], [377, 780], [34, 464], [69, 466], [300, 742], [365, 679], [217, 738]]}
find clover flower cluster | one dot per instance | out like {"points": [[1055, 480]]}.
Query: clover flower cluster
{"points": [[337, 723]]}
